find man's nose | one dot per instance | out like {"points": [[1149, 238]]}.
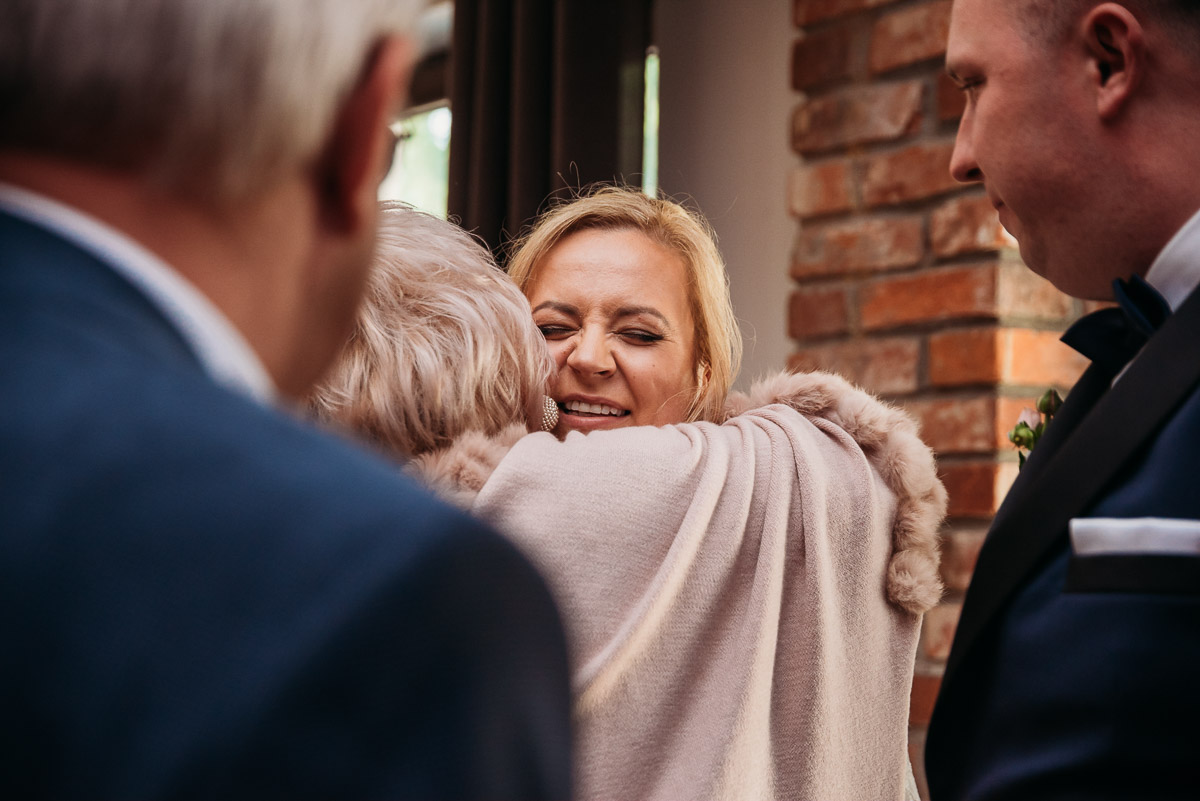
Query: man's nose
{"points": [[963, 166]]}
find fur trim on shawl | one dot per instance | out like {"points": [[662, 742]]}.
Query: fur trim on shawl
{"points": [[887, 435], [458, 472]]}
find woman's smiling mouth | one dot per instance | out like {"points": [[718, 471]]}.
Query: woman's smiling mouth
{"points": [[582, 408]]}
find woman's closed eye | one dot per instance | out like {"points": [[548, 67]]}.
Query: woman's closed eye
{"points": [[640, 336], [556, 331]]}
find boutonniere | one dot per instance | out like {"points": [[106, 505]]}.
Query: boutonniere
{"points": [[1032, 424]]}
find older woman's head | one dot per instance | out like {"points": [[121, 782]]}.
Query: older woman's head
{"points": [[444, 343], [631, 294]]}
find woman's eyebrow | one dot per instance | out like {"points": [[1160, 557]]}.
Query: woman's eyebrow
{"points": [[558, 306], [633, 311], [619, 313]]}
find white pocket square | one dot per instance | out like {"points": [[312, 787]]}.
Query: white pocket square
{"points": [[1092, 536]]}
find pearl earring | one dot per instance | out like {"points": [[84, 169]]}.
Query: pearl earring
{"points": [[549, 413]]}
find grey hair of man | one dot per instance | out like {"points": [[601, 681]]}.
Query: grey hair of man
{"points": [[209, 99], [444, 343]]}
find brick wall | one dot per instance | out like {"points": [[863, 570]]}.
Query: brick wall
{"points": [[905, 282]]}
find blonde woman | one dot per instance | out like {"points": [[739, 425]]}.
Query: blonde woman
{"points": [[616, 267], [742, 592]]}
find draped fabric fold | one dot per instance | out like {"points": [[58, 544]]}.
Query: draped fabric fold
{"points": [[742, 600]]}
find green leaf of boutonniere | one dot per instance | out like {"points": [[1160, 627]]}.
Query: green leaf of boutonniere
{"points": [[1032, 424]]}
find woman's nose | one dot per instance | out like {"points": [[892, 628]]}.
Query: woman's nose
{"points": [[591, 354]]}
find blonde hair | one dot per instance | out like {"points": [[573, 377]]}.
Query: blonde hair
{"points": [[212, 99], [683, 232], [444, 342]]}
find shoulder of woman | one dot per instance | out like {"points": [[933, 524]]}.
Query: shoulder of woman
{"points": [[458, 472], [889, 438]]}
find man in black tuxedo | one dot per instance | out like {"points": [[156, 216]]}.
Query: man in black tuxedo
{"points": [[202, 596], [1073, 673]]}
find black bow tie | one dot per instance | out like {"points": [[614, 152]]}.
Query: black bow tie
{"points": [[1111, 337]]}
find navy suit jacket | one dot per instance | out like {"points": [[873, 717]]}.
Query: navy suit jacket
{"points": [[201, 597], [1079, 676]]}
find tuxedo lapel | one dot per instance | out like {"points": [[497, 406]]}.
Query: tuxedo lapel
{"points": [[1084, 453]]}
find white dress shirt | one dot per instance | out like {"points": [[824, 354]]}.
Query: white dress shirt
{"points": [[219, 346], [1176, 271]]}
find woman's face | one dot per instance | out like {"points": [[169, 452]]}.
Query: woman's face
{"points": [[613, 307]]}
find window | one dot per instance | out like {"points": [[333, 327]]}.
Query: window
{"points": [[650, 126], [420, 172]]}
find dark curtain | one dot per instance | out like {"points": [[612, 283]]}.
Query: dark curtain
{"points": [[547, 98]]}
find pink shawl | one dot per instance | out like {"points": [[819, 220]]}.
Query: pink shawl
{"points": [[743, 599]]}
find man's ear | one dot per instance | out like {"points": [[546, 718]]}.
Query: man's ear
{"points": [[357, 152], [1115, 44]]}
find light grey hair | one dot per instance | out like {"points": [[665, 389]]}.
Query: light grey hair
{"points": [[209, 98], [444, 343]]}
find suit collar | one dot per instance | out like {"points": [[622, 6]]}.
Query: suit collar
{"points": [[47, 280], [221, 348], [1072, 464]]}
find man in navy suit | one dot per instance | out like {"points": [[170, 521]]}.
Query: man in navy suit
{"points": [[1074, 670], [203, 597]]}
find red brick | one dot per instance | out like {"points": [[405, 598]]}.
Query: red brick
{"points": [[818, 189], [960, 552], [951, 101], [870, 244], [817, 312], [967, 224], [1024, 296], [937, 630], [976, 488], [924, 694], [857, 115], [975, 424], [1014, 356], [916, 757], [810, 11], [883, 366], [914, 173], [957, 425], [1005, 477], [822, 57], [947, 293], [913, 34], [965, 356], [1038, 358]]}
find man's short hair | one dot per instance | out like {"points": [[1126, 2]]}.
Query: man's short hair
{"points": [[208, 98], [1051, 20]]}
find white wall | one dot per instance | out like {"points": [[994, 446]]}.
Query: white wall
{"points": [[724, 141]]}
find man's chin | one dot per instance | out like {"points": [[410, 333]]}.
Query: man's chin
{"points": [[1077, 280]]}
